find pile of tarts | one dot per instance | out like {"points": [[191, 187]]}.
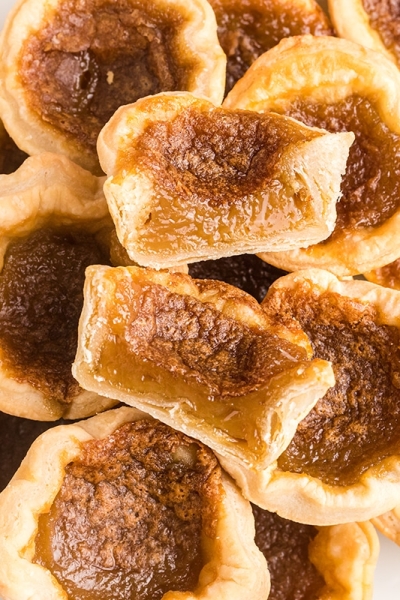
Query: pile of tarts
{"points": [[199, 299]]}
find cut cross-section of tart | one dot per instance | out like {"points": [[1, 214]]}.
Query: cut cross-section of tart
{"points": [[190, 181], [200, 356], [122, 506]]}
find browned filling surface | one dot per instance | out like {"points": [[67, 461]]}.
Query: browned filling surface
{"points": [[285, 545], [371, 184], [245, 271], [41, 298], [248, 28], [356, 424], [388, 276], [214, 155], [129, 518], [11, 157], [384, 16], [92, 56]]}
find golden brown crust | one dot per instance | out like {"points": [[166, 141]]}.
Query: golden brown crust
{"points": [[234, 569], [309, 499], [388, 275], [47, 190], [175, 159], [389, 524], [203, 65], [327, 71]]}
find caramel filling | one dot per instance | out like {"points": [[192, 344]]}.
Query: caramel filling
{"points": [[371, 184], [245, 271], [285, 545], [41, 298], [384, 17], [92, 56], [131, 516], [249, 28], [173, 347], [356, 424], [213, 171]]}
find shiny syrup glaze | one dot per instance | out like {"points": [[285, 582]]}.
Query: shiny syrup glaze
{"points": [[41, 298], [371, 184], [356, 424], [129, 518], [249, 28]]}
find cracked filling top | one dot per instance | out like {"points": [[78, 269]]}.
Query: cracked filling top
{"points": [[285, 545], [131, 515], [356, 424], [41, 298], [92, 56], [251, 27], [371, 185], [384, 17]]}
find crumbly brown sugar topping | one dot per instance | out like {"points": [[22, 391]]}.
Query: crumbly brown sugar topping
{"points": [[214, 155], [41, 298], [249, 28], [129, 518], [92, 56], [356, 424], [371, 184], [285, 545]]}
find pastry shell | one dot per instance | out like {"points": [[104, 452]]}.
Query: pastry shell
{"points": [[186, 380], [48, 189], [178, 195], [203, 66], [235, 567], [327, 70], [300, 496]]}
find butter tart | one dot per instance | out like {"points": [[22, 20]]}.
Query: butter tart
{"points": [[340, 86], [54, 223], [200, 356], [371, 23], [123, 506], [67, 65], [190, 181], [342, 464], [248, 28], [316, 563]]}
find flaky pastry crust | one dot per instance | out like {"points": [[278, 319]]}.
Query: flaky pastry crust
{"points": [[203, 66], [188, 181], [235, 569], [328, 70], [297, 495], [187, 353], [47, 190]]}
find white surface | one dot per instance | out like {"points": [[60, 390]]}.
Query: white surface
{"points": [[387, 581]]}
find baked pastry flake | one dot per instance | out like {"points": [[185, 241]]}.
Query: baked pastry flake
{"points": [[125, 506], [189, 181], [67, 65], [340, 86]]}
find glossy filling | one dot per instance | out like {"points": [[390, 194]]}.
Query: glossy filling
{"points": [[371, 184], [285, 545], [356, 424], [132, 513], [41, 298], [249, 28], [92, 56], [215, 178], [384, 16], [172, 347]]}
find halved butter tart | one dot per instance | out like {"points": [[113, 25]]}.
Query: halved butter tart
{"points": [[306, 562], [248, 28], [122, 506], [201, 356], [54, 223], [340, 86], [343, 463], [190, 181], [67, 65]]}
